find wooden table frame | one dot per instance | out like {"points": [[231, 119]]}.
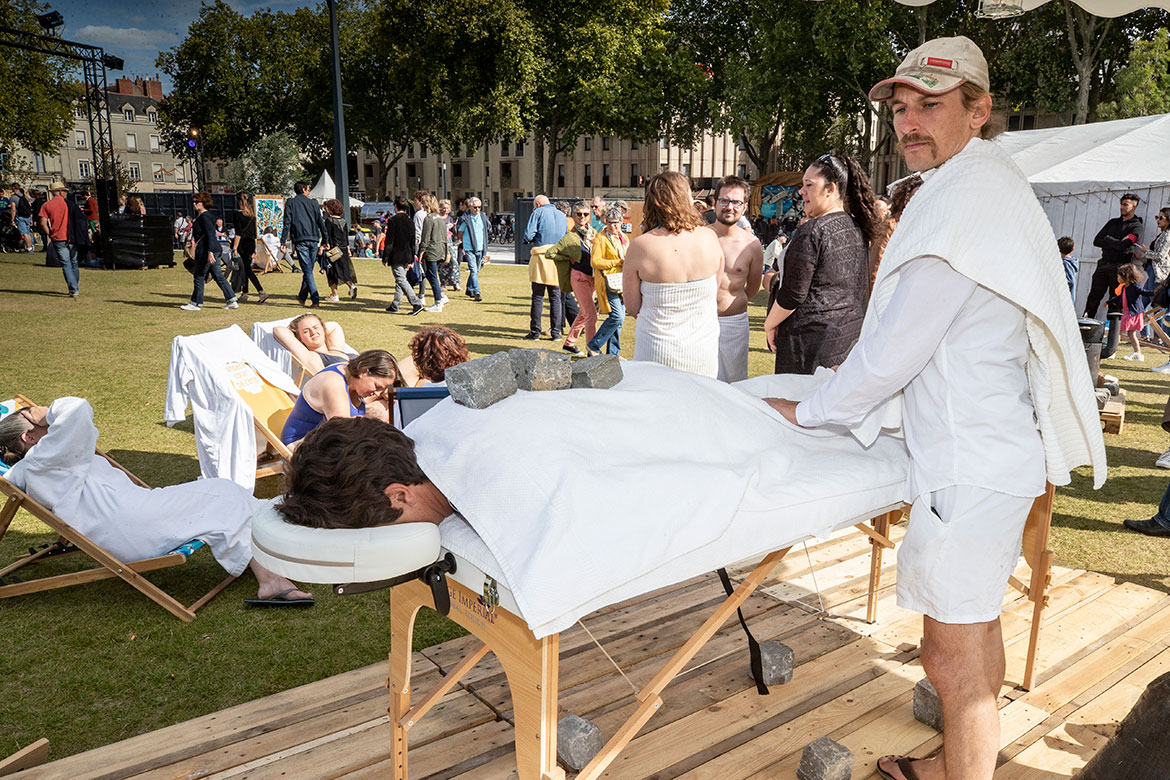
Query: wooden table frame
{"points": [[531, 665]]}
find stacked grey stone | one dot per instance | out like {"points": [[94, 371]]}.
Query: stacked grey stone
{"points": [[928, 705], [541, 369], [824, 759], [599, 372], [480, 383], [778, 662], [578, 740]]}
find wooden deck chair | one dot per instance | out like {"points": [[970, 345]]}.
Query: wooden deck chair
{"points": [[1036, 555], [270, 408], [1152, 317], [270, 263], [27, 757], [70, 541]]}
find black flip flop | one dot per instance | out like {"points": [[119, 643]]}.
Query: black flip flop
{"points": [[279, 600], [903, 763]]}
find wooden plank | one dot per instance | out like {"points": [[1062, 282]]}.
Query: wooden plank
{"points": [[216, 730], [28, 756]]}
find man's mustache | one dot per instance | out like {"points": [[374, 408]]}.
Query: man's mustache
{"points": [[914, 139]]}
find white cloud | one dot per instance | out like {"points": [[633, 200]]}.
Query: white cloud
{"points": [[115, 38]]}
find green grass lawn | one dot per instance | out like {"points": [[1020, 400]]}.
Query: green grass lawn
{"points": [[92, 664]]}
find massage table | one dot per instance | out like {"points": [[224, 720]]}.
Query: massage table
{"points": [[465, 570]]}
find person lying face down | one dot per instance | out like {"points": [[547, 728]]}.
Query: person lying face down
{"points": [[358, 472], [51, 451]]}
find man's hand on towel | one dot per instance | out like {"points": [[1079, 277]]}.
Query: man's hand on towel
{"points": [[786, 408]]}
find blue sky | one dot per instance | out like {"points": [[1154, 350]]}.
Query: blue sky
{"points": [[136, 30]]}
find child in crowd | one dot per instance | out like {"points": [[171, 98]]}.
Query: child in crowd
{"points": [[1129, 293], [1071, 264]]}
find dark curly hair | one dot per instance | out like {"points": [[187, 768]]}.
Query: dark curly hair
{"points": [[434, 349], [340, 470]]}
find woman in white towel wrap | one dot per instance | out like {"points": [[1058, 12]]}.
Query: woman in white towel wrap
{"points": [[51, 451], [670, 281]]}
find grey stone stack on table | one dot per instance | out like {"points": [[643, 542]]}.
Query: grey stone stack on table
{"points": [[479, 383]]}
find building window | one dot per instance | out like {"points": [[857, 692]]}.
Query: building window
{"points": [[605, 175], [487, 153], [396, 177], [560, 176], [218, 172], [422, 151], [39, 163], [503, 148], [128, 114], [740, 145], [487, 174], [154, 145], [83, 169], [741, 171], [605, 143], [131, 142], [588, 175], [79, 138], [79, 111], [135, 171], [156, 171], [152, 117], [180, 176], [506, 174], [410, 173], [634, 178], [368, 171], [519, 148], [457, 171], [686, 169], [588, 144], [410, 152], [634, 146], [664, 143]]}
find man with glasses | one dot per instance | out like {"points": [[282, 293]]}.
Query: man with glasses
{"points": [[739, 279], [473, 227], [598, 219]]}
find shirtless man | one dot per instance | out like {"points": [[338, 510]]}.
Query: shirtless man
{"points": [[739, 277]]}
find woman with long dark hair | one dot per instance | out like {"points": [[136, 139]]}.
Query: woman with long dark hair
{"points": [[815, 310], [244, 245], [341, 269]]}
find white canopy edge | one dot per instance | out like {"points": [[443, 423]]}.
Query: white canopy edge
{"points": [[1107, 8]]}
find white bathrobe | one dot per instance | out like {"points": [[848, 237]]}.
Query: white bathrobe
{"points": [[130, 522]]}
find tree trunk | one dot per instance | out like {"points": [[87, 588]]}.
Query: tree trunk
{"points": [[1139, 750], [538, 157], [1086, 33], [554, 149]]}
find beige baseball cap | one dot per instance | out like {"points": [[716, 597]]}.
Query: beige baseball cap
{"points": [[936, 67]]}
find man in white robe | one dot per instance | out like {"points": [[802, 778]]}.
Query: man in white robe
{"points": [[971, 339], [55, 463]]}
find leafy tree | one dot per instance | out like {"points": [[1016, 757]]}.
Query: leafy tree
{"points": [[270, 165], [1143, 85], [36, 110]]}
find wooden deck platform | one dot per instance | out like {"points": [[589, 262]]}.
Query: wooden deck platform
{"points": [[1101, 644]]}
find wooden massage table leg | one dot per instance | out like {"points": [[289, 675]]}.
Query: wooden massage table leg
{"points": [[650, 696], [880, 540], [405, 602]]}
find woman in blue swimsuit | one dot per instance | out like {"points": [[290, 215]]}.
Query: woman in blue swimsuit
{"points": [[361, 387]]}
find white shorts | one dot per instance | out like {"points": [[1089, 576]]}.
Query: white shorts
{"points": [[734, 334], [955, 560]]}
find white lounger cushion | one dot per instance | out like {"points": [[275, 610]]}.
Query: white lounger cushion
{"points": [[596, 495], [341, 555]]}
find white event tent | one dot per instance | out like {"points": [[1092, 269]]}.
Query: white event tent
{"points": [[1080, 172], [325, 189]]}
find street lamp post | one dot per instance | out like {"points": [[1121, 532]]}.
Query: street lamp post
{"points": [[340, 163]]}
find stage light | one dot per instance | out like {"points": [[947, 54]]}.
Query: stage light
{"points": [[51, 20], [113, 63]]}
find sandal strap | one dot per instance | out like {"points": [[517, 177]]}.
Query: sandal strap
{"points": [[907, 772]]}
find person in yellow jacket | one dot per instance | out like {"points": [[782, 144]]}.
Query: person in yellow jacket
{"points": [[609, 251]]}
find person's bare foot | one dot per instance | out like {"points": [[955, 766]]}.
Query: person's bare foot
{"points": [[917, 768], [279, 586]]}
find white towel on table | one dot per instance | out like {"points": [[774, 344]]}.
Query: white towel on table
{"points": [[650, 472]]}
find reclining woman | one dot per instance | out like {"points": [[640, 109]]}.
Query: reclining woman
{"points": [[51, 451], [363, 387], [313, 342], [433, 350]]}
